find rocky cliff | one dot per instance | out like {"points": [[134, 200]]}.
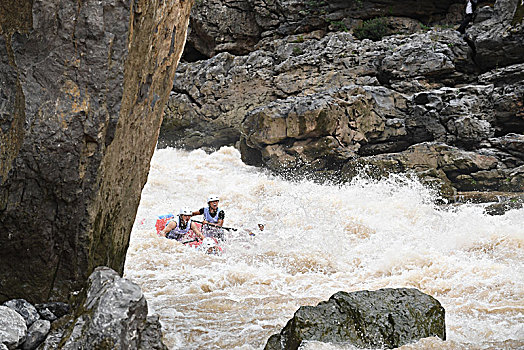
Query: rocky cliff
{"points": [[305, 90], [83, 89]]}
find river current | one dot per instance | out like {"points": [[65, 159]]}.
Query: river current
{"points": [[320, 239]]}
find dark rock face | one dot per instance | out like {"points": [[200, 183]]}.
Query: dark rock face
{"points": [[386, 318], [36, 334], [238, 26], [83, 87], [499, 40]]}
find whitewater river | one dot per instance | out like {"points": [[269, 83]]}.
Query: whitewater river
{"points": [[320, 239]]}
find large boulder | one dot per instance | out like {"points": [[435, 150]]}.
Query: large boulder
{"points": [[112, 315], [323, 130], [13, 328], [82, 92], [386, 318], [25, 309]]}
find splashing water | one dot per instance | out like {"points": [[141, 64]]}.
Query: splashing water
{"points": [[320, 239]]}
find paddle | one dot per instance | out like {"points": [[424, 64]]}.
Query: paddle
{"points": [[210, 224], [191, 241]]}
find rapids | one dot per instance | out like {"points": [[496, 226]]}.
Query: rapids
{"points": [[320, 239]]}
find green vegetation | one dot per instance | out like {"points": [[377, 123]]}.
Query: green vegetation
{"points": [[338, 25], [297, 51], [299, 39], [519, 14], [373, 29], [425, 27]]}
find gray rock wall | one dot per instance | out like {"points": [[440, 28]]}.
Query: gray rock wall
{"points": [[237, 26], [83, 88], [286, 105]]}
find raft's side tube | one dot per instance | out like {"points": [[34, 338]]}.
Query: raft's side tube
{"points": [[161, 222]]}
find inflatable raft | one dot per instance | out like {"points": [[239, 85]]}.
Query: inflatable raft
{"points": [[209, 245]]}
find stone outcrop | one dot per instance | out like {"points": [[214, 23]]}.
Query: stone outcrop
{"points": [[111, 315], [499, 39], [386, 318], [239, 26], [83, 89], [216, 94], [307, 100]]}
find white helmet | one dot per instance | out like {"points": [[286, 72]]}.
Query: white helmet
{"points": [[208, 242], [212, 198], [185, 211]]}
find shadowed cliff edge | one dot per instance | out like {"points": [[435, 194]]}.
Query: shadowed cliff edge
{"points": [[83, 89]]}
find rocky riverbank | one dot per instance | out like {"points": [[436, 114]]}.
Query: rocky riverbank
{"points": [[110, 314], [324, 100]]}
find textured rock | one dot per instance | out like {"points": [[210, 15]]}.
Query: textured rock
{"points": [[212, 97], [237, 26], [499, 40], [25, 309], [113, 316], [83, 88], [447, 165], [386, 318], [13, 329], [52, 310], [437, 87], [36, 334]]}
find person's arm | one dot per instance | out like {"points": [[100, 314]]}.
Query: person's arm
{"points": [[221, 216], [198, 212], [171, 225], [196, 230]]}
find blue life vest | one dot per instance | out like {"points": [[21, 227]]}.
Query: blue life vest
{"points": [[209, 218], [177, 233]]}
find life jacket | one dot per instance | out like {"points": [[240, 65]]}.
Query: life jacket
{"points": [[177, 233], [209, 218]]}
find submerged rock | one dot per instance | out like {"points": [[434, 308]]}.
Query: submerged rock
{"points": [[386, 318]]}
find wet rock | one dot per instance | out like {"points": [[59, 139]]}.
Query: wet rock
{"points": [[25, 309], [386, 318], [36, 334], [453, 167], [486, 197], [52, 310], [503, 207], [113, 314], [13, 328]]}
